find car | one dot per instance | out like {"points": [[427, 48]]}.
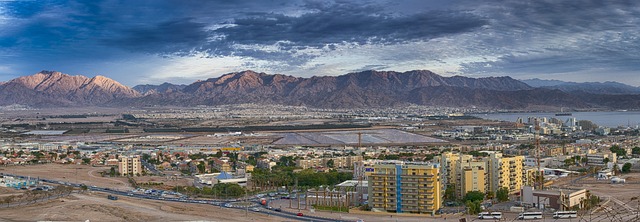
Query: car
{"points": [[255, 209], [278, 209], [299, 215]]}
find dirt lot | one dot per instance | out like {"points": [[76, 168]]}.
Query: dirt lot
{"points": [[72, 173], [96, 207], [627, 193], [5, 191], [165, 183]]}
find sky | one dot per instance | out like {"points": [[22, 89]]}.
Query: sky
{"points": [[155, 41]]}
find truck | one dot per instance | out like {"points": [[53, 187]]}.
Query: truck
{"points": [[112, 197]]}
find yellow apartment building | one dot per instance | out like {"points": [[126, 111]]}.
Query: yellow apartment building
{"points": [[463, 172], [405, 187], [505, 172], [129, 166]]}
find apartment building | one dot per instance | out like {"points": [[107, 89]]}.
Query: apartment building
{"points": [[362, 168], [464, 172], [338, 162], [405, 187], [554, 151], [505, 172], [598, 159], [473, 178], [266, 164], [530, 176], [130, 166], [221, 165]]}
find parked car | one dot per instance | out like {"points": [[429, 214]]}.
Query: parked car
{"points": [[300, 215]]}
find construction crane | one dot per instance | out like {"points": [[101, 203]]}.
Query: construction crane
{"points": [[539, 175]]}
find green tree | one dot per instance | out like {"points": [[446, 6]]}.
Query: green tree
{"points": [[473, 207], [287, 161], [635, 150], [201, 167], [429, 157], [490, 195], [606, 160], [577, 158], [450, 192], [569, 162], [618, 151], [330, 163], [502, 194], [478, 153], [112, 171], [626, 168], [84, 187], [474, 196]]}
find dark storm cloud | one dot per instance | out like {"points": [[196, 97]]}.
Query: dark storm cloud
{"points": [[348, 23], [324, 26], [494, 37], [560, 36], [172, 37]]}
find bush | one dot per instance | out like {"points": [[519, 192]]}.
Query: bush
{"points": [[474, 196], [502, 194]]}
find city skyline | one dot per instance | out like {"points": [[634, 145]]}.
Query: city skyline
{"points": [[150, 42]]}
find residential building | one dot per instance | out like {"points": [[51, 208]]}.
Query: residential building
{"points": [[129, 166], [598, 159], [554, 151], [505, 172], [473, 178], [266, 164], [405, 187], [361, 169], [221, 165], [464, 172], [530, 176], [338, 162]]}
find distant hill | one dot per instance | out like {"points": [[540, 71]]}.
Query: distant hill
{"points": [[367, 89], [542, 82], [360, 90], [607, 88], [162, 88], [48, 88]]}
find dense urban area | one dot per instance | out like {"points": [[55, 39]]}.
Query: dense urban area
{"points": [[273, 163]]}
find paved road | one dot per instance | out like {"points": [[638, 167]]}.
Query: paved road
{"points": [[287, 215]]}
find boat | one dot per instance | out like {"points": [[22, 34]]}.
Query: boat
{"points": [[563, 113]]}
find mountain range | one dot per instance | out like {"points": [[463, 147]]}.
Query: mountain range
{"points": [[607, 88], [365, 89]]}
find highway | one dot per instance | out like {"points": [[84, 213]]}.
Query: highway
{"points": [[221, 203]]}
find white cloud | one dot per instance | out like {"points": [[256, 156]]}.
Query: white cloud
{"points": [[188, 69]]}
